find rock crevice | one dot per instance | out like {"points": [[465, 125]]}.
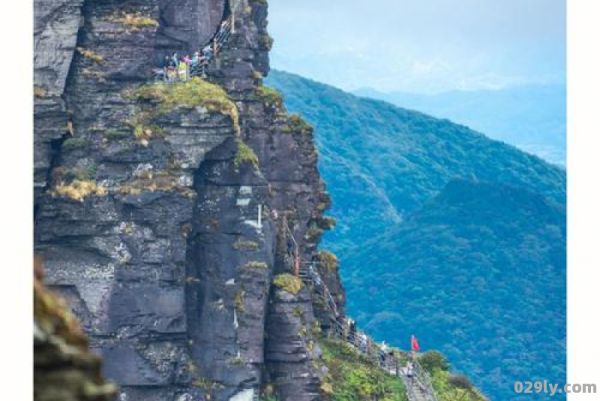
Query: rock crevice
{"points": [[163, 221]]}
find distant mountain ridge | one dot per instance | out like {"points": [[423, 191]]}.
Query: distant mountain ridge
{"points": [[443, 232], [531, 117], [416, 155]]}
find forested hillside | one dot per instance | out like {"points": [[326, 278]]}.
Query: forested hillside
{"points": [[444, 233], [531, 117]]}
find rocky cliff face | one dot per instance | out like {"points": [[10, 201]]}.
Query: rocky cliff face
{"points": [[161, 210]]}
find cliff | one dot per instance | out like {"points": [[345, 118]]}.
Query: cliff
{"points": [[179, 220], [161, 210]]}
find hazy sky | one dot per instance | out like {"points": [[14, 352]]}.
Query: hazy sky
{"points": [[420, 45]]}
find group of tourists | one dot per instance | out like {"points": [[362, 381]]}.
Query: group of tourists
{"points": [[386, 356], [178, 68], [182, 68]]}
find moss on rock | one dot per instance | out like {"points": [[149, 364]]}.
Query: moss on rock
{"points": [[79, 189], [39, 92], [91, 55], [246, 245], [155, 181], [271, 97], [297, 124], [165, 98], [74, 143], [352, 376], [257, 265], [134, 21], [288, 283], [244, 154], [328, 260]]}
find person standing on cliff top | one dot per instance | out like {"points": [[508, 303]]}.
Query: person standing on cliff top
{"points": [[410, 369]]}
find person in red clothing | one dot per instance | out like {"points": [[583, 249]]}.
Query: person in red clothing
{"points": [[414, 345]]}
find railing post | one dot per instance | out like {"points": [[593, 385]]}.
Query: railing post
{"points": [[259, 216]]}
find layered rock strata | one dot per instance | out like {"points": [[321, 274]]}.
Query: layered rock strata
{"points": [[163, 212]]}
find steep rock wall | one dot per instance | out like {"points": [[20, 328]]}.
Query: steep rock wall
{"points": [[149, 222]]}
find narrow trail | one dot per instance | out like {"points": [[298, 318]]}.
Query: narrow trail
{"points": [[209, 53], [415, 378]]}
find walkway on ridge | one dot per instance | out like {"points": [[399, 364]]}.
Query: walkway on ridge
{"points": [[215, 44], [417, 382]]}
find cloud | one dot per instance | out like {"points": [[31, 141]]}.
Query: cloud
{"points": [[420, 45]]}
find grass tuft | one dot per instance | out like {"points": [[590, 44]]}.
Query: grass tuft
{"points": [[239, 301], [114, 135], [265, 41], [91, 73], [297, 124], [39, 92], [256, 265], [135, 20], [245, 245], [155, 181], [329, 261], [79, 190], [352, 376], [74, 143], [288, 283], [167, 97], [90, 55], [244, 154], [270, 96]]}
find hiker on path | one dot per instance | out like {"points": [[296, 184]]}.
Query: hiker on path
{"points": [[414, 345], [352, 331], [382, 352], [410, 369]]}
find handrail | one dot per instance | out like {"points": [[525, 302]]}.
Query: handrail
{"points": [[217, 43], [365, 344], [316, 278], [287, 227]]}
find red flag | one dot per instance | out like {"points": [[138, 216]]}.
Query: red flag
{"points": [[414, 344]]}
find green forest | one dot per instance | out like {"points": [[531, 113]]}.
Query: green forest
{"points": [[443, 233]]}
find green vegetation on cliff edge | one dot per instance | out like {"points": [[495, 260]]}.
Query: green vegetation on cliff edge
{"points": [[443, 233]]}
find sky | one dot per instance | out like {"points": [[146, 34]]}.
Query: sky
{"points": [[420, 46]]}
